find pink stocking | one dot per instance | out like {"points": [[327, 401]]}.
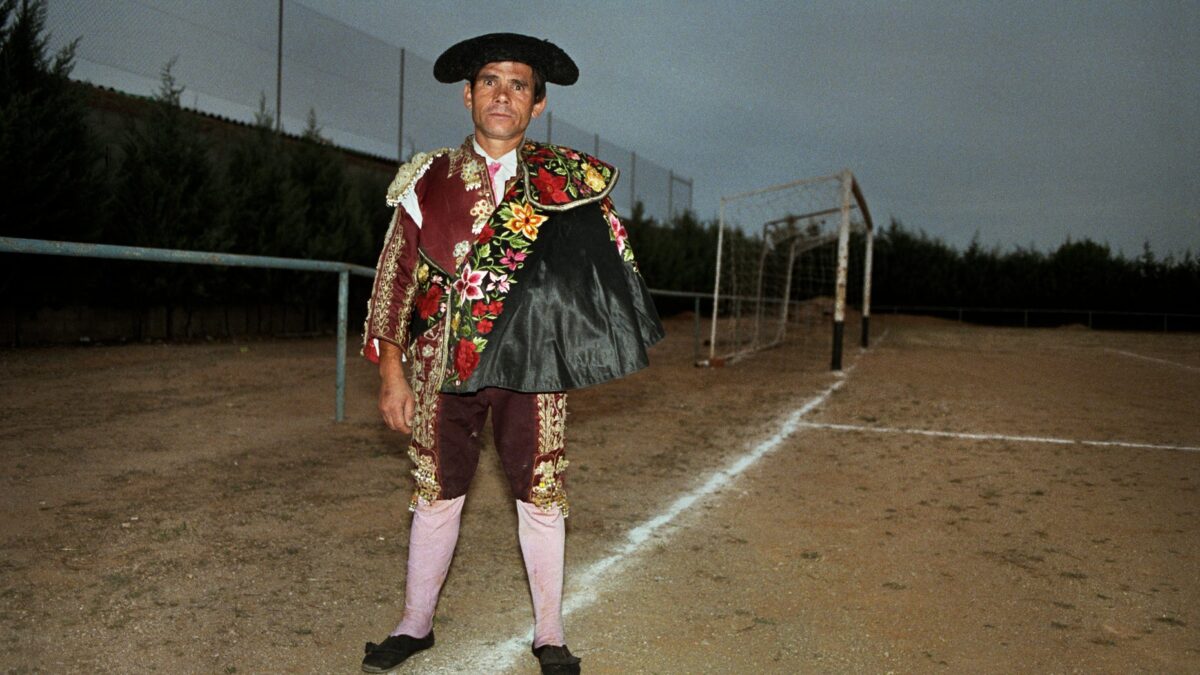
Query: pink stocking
{"points": [[543, 539], [430, 548]]}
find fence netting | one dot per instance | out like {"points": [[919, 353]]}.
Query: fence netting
{"points": [[365, 94]]}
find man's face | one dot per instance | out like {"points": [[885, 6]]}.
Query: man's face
{"points": [[501, 100]]}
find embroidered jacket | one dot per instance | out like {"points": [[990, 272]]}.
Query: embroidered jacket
{"points": [[539, 293]]}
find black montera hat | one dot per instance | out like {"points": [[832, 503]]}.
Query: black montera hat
{"points": [[464, 59]]}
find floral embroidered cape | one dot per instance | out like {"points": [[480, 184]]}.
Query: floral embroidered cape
{"points": [[548, 296]]}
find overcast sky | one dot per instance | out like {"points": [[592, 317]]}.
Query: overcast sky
{"points": [[1017, 123], [1020, 123]]}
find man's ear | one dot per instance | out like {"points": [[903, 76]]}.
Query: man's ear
{"points": [[468, 99], [539, 107]]}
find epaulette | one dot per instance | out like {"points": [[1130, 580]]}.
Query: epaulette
{"points": [[409, 173]]}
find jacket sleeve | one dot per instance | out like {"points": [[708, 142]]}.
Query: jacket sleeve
{"points": [[390, 308]]}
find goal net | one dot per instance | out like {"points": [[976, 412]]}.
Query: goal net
{"points": [[793, 261]]}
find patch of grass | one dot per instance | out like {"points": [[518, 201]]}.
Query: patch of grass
{"points": [[118, 579], [171, 533]]}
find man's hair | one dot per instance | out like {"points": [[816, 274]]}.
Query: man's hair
{"points": [[539, 82]]}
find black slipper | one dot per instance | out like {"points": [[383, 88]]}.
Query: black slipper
{"points": [[557, 660], [393, 651]]}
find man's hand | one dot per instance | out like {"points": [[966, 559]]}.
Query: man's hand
{"points": [[397, 403]]}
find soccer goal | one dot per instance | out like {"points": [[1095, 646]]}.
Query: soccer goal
{"points": [[792, 260]]}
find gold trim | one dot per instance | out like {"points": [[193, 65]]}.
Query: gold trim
{"points": [[470, 167], [549, 487], [552, 422], [409, 172]]}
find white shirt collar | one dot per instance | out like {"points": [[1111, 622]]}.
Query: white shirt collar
{"points": [[508, 162]]}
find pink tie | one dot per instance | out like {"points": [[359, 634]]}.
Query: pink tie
{"points": [[493, 169]]}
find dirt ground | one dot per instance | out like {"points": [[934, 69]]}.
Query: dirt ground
{"points": [[194, 508]]}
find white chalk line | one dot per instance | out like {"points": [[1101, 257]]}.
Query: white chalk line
{"points": [[996, 437], [1135, 355], [586, 584]]}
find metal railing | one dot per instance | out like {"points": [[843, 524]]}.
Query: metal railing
{"points": [[343, 270]]}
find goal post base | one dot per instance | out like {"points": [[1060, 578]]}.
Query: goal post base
{"points": [[839, 329]]}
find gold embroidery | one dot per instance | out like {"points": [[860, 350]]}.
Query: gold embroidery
{"points": [[550, 491], [552, 422], [425, 475], [482, 212], [425, 390], [385, 279], [470, 167], [549, 488], [428, 357], [409, 172]]}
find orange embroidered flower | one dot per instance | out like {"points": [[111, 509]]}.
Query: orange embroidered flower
{"points": [[525, 221]]}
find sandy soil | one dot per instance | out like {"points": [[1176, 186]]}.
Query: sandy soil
{"points": [[194, 508]]}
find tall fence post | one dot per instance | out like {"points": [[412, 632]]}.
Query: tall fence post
{"points": [[400, 115], [279, 72], [343, 309]]}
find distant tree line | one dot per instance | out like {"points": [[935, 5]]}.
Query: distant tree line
{"points": [[165, 178], [912, 268]]}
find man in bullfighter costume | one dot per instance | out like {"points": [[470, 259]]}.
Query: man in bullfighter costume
{"points": [[505, 280]]}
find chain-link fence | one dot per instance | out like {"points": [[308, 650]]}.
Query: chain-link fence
{"points": [[235, 56]]}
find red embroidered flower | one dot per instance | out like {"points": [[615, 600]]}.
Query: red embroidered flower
{"points": [[484, 326], [479, 308], [465, 358], [495, 307], [485, 235], [427, 304], [550, 187]]}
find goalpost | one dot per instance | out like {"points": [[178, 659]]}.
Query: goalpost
{"points": [[787, 258]]}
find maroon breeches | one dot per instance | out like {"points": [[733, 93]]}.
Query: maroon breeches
{"points": [[528, 432]]}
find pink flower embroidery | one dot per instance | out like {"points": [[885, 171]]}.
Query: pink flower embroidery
{"points": [[619, 233], [499, 283], [468, 285], [512, 259]]}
